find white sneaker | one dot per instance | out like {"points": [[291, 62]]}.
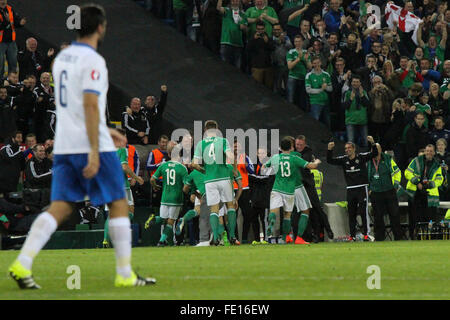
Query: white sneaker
{"points": [[203, 244]]}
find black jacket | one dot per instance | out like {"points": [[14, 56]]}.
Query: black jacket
{"points": [[416, 139], [154, 117], [38, 174], [260, 53], [307, 176], [26, 104], [133, 124], [32, 65], [12, 162], [7, 119], [260, 188], [355, 170]]}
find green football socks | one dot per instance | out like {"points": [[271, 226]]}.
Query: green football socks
{"points": [[302, 224], [214, 222], [191, 214], [232, 223]]}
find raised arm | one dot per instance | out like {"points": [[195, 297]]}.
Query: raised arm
{"points": [[219, 7]]}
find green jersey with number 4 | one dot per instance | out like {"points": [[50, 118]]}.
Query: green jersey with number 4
{"points": [[174, 175], [288, 172], [212, 153]]}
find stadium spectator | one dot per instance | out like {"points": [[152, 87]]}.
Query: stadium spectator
{"points": [[12, 85], [318, 84], [305, 32], [356, 103], [234, 25], [260, 48], [298, 62], [424, 175], [339, 78], [32, 61], [295, 20], [321, 51], [12, 163], [368, 72], [181, 11], [211, 27], [380, 110], [384, 180], [26, 105], [45, 101], [352, 52], [7, 115], [15, 218], [439, 132], [416, 136], [154, 109], [433, 50], [136, 123], [436, 102], [428, 74], [334, 18], [9, 21], [19, 137], [38, 171], [282, 44], [261, 12]]}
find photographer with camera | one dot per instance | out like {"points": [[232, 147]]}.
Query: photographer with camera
{"points": [[379, 110], [282, 45], [260, 49]]}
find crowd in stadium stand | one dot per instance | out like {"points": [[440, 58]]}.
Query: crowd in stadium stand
{"points": [[386, 77]]}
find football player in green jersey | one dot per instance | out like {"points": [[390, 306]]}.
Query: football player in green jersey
{"points": [[173, 173], [122, 153], [287, 170], [211, 156]]}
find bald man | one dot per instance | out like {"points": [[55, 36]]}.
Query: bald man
{"points": [[136, 123]]}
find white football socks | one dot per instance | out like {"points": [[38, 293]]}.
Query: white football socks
{"points": [[120, 233], [40, 232]]}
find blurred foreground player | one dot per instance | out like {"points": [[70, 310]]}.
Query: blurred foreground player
{"points": [[85, 160]]}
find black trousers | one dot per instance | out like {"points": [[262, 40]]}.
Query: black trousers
{"points": [[357, 204], [249, 216], [420, 212], [260, 215], [382, 203]]}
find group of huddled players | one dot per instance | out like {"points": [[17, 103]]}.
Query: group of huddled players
{"points": [[211, 181]]}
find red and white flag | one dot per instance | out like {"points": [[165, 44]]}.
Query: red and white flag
{"points": [[406, 21]]}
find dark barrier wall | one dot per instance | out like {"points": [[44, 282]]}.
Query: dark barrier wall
{"points": [[142, 54]]}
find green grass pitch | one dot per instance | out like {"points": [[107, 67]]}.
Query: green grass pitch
{"points": [[409, 270]]}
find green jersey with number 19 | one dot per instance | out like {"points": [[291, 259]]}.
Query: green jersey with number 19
{"points": [[212, 153], [288, 172], [174, 174]]}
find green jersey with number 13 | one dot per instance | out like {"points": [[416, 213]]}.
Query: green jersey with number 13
{"points": [[288, 165]]}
